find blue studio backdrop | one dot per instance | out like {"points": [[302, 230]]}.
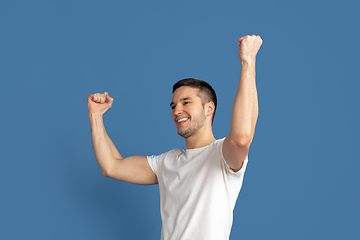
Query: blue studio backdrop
{"points": [[302, 180]]}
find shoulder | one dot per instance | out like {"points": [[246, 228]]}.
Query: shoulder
{"points": [[216, 145], [219, 142], [157, 162], [170, 154], [175, 151]]}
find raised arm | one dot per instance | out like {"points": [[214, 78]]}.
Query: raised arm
{"points": [[245, 108], [133, 169]]}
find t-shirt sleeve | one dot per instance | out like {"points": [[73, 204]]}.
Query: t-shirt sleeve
{"points": [[228, 168], [154, 163]]}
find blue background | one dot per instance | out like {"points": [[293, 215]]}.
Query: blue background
{"points": [[302, 180]]}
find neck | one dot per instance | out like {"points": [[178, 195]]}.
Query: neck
{"points": [[200, 139]]}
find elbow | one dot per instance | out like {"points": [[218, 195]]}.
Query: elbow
{"points": [[243, 140], [106, 173], [109, 169]]}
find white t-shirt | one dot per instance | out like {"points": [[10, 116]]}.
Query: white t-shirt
{"points": [[198, 192]]}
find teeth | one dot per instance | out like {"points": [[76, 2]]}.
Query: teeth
{"points": [[181, 120]]}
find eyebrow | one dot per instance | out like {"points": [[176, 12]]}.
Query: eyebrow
{"points": [[181, 100]]}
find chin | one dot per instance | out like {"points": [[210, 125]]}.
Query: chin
{"points": [[185, 133]]}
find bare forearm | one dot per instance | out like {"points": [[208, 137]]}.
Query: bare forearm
{"points": [[245, 107], [104, 149]]}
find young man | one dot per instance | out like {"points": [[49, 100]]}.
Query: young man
{"points": [[199, 186]]}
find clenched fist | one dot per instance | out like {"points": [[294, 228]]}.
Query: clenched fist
{"points": [[248, 48], [99, 103]]}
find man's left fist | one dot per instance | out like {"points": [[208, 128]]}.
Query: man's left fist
{"points": [[249, 47]]}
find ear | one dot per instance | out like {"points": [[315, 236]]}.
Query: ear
{"points": [[209, 108]]}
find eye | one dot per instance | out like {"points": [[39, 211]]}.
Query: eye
{"points": [[186, 103]]}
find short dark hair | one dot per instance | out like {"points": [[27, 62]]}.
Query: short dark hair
{"points": [[206, 92]]}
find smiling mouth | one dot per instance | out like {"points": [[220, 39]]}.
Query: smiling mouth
{"points": [[182, 120]]}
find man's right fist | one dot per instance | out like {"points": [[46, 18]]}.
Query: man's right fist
{"points": [[99, 103]]}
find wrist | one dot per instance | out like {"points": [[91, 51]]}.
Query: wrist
{"points": [[248, 62], [95, 115], [96, 118]]}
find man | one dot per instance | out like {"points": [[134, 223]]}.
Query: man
{"points": [[199, 186]]}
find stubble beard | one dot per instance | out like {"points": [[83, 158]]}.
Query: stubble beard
{"points": [[198, 123]]}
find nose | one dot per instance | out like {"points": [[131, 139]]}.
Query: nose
{"points": [[177, 110]]}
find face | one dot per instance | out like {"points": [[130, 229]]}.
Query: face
{"points": [[188, 112]]}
